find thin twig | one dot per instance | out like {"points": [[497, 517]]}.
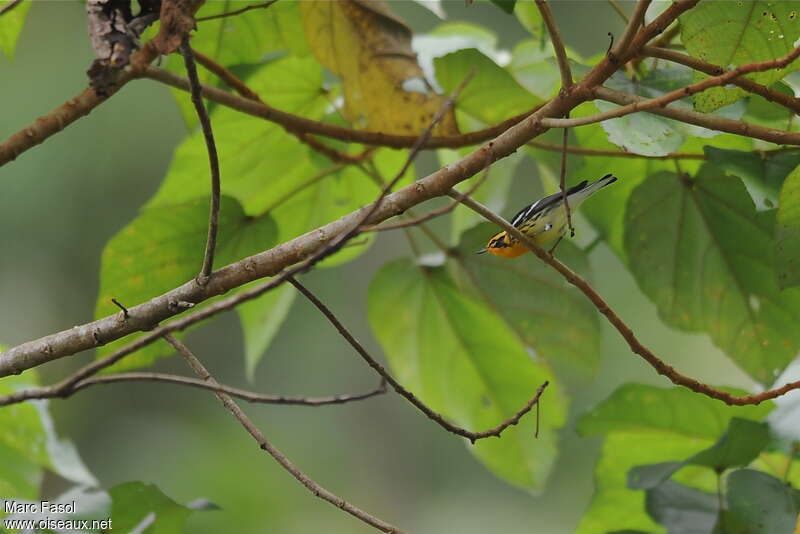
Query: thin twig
{"points": [[410, 397], [262, 5], [563, 181], [646, 104], [9, 6], [48, 392], [635, 22], [266, 445], [712, 122], [619, 10], [611, 153], [416, 221], [558, 44], [747, 84], [250, 396], [238, 85], [624, 330], [213, 161], [301, 124], [121, 307]]}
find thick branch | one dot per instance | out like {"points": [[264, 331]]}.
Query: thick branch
{"points": [[61, 117], [624, 330], [713, 122], [266, 445], [715, 70]]}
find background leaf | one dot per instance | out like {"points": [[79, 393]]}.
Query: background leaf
{"points": [[735, 33], [644, 425], [700, 251], [462, 361], [143, 508], [758, 504], [11, 26], [244, 40], [787, 233], [544, 311], [492, 95], [681, 509], [162, 249]]}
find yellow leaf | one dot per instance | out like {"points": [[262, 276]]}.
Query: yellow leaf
{"points": [[369, 48]]}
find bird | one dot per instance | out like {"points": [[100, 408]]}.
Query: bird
{"points": [[545, 220]]}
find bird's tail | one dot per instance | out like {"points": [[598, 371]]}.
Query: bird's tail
{"points": [[594, 187]]}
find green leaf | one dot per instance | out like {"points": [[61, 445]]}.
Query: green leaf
{"points": [[535, 68], [700, 251], [607, 215], [460, 359], [681, 509], [11, 26], [163, 248], [259, 160], [730, 34], [758, 504], [247, 38], [677, 410], [261, 318], [530, 17], [652, 135], [645, 425], [505, 5], [492, 95], [763, 171], [741, 444], [548, 314], [141, 507], [787, 232], [491, 193]]}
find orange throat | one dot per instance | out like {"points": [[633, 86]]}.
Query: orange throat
{"points": [[517, 249]]}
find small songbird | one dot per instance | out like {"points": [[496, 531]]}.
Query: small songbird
{"points": [[545, 220]]}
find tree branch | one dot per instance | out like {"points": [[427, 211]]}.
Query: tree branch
{"points": [[715, 70], [624, 330], [238, 85], [262, 5], [213, 162], [266, 445], [432, 214], [647, 104], [635, 22], [295, 123], [48, 392], [410, 397], [611, 153], [64, 115], [713, 122], [9, 6], [558, 44]]}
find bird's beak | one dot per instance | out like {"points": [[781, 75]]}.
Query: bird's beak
{"points": [[481, 251]]}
